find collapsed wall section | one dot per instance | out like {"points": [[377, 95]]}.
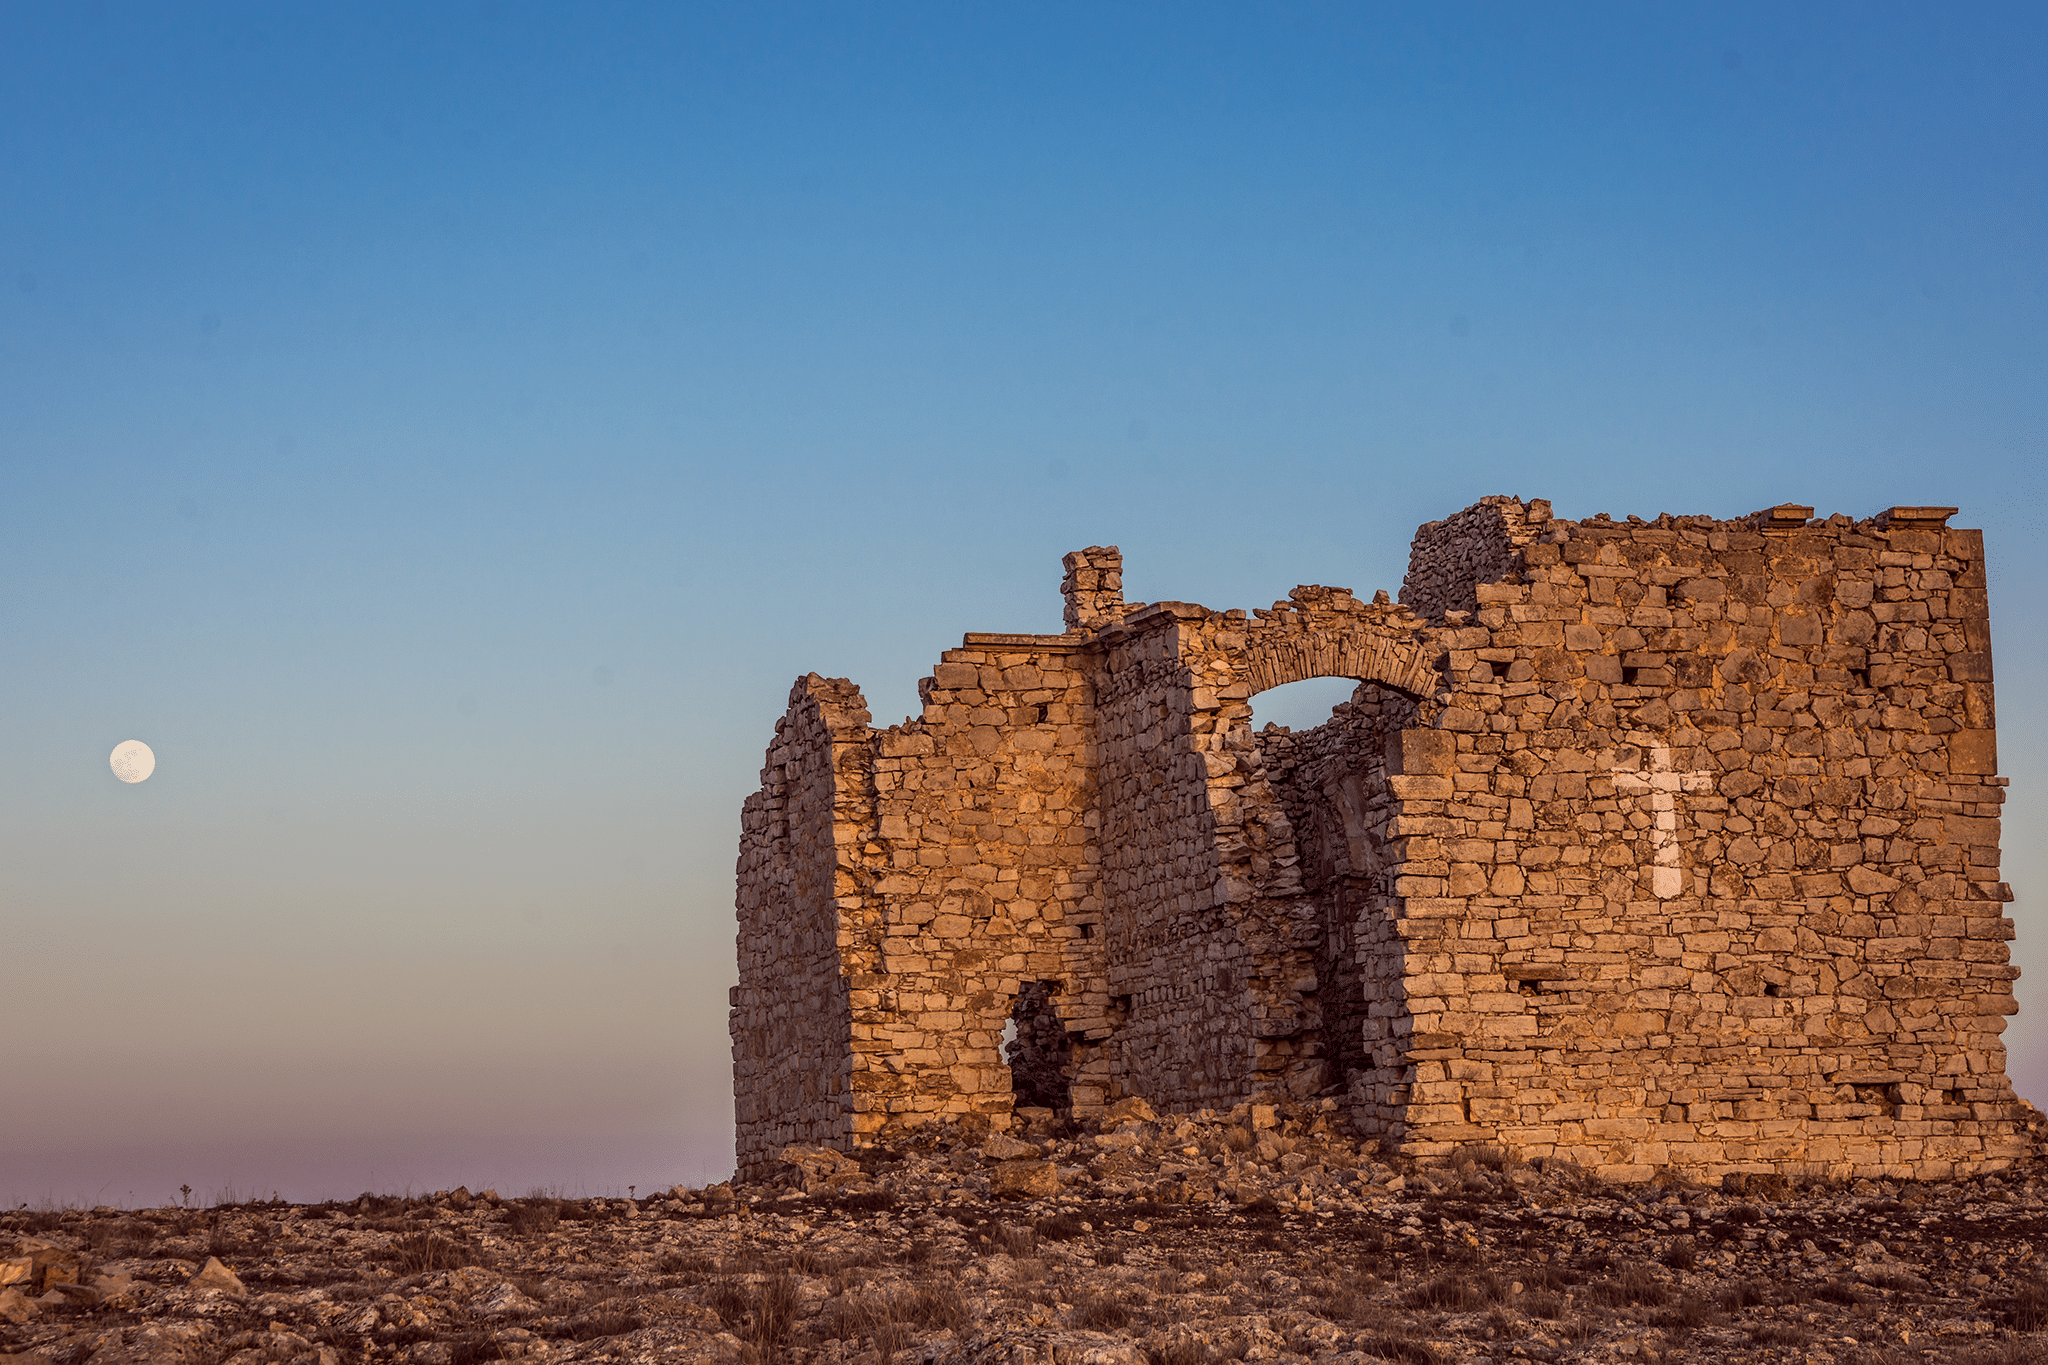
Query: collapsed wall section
{"points": [[791, 1013]]}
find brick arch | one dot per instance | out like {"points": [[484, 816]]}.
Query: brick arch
{"points": [[1277, 658]]}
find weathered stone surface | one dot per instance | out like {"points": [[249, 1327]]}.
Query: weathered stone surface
{"points": [[505, 1301], [822, 1167], [16, 1306], [1023, 1179], [214, 1275], [1003, 1147], [1640, 843]]}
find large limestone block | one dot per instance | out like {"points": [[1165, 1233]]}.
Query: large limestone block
{"points": [[1024, 1180], [214, 1275]]}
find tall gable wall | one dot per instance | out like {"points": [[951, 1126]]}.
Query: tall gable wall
{"points": [[1716, 880]]}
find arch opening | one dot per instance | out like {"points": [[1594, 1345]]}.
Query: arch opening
{"points": [[1301, 705]]}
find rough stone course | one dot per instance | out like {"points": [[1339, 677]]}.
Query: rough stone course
{"points": [[1643, 843]]}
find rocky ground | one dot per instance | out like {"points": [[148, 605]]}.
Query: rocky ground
{"points": [[1255, 1236]]}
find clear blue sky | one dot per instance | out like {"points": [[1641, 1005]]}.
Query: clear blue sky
{"points": [[443, 432]]}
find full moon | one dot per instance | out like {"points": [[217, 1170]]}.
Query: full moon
{"points": [[132, 761]]}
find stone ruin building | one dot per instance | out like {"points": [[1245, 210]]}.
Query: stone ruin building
{"points": [[1641, 843]]}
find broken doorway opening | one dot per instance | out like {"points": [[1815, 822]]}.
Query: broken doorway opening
{"points": [[1037, 1049]]}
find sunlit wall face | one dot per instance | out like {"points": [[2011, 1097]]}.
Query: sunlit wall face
{"points": [[442, 434]]}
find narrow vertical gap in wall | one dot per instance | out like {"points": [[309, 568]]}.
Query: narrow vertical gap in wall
{"points": [[1035, 1044]]}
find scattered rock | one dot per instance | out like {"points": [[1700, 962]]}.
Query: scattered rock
{"points": [[1024, 1180], [16, 1306], [1003, 1147], [505, 1301], [214, 1275]]}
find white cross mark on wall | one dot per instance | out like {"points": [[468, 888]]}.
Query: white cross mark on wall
{"points": [[1663, 785]]}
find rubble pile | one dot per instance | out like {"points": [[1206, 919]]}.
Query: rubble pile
{"points": [[1259, 1233]]}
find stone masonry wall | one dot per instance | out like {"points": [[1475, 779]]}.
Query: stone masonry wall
{"points": [[1714, 882], [791, 1013], [1643, 843], [1481, 544], [985, 873]]}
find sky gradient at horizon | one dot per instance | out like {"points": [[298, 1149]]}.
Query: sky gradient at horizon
{"points": [[442, 434]]}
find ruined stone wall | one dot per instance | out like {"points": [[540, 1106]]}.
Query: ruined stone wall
{"points": [[1716, 882], [791, 1014], [984, 875], [1178, 969], [1213, 940], [1481, 544], [1641, 843]]}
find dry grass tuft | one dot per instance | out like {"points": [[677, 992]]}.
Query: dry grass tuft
{"points": [[1456, 1293], [2027, 1308], [1101, 1312], [1634, 1285], [528, 1217], [1399, 1346], [423, 1253]]}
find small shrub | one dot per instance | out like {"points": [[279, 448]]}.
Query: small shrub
{"points": [[887, 1319], [1682, 1254], [1744, 1294], [775, 1312], [1542, 1304], [1022, 1243], [1238, 1139], [935, 1304], [1109, 1254]]}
